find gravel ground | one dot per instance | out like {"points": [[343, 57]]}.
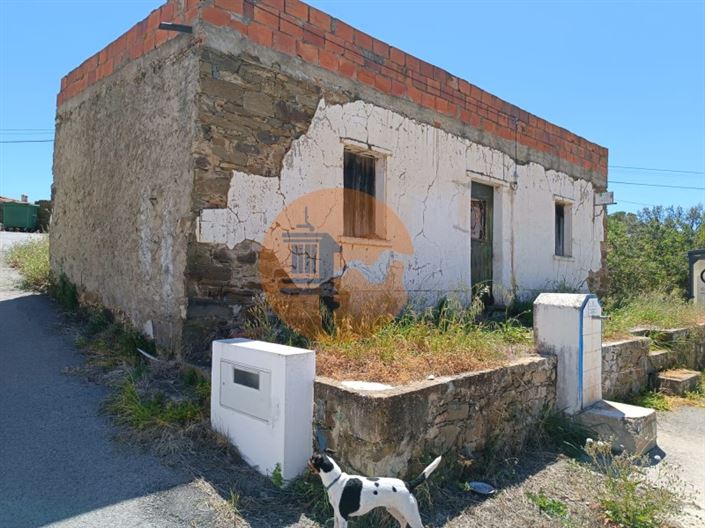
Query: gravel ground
{"points": [[681, 435]]}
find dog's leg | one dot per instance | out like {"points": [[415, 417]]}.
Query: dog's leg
{"points": [[340, 522], [414, 519], [398, 516], [411, 513]]}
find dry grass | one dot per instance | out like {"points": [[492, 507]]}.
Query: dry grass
{"points": [[449, 339], [445, 341], [404, 352], [655, 309], [31, 259]]}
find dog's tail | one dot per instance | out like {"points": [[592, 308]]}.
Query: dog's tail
{"points": [[424, 475]]}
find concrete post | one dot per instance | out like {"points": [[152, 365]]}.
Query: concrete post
{"points": [[569, 326], [696, 276], [262, 400]]}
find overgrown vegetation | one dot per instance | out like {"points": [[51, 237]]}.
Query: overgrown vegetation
{"points": [[626, 495], [130, 407], [652, 400], [447, 339], [564, 433], [647, 268], [660, 401], [647, 251], [31, 259], [651, 309]]}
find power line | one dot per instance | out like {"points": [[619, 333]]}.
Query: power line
{"points": [[655, 170], [27, 141], [638, 203], [658, 185]]}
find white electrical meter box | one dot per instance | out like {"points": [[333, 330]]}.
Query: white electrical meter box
{"points": [[569, 326], [262, 401]]}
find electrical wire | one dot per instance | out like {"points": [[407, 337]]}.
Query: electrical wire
{"points": [[658, 185], [27, 141], [655, 170]]}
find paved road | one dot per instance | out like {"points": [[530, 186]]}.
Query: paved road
{"points": [[58, 464], [681, 434]]}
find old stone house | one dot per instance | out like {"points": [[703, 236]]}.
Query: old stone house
{"points": [[177, 151]]}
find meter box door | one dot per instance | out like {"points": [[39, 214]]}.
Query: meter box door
{"points": [[262, 400]]}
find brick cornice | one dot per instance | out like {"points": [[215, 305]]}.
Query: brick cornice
{"points": [[297, 29]]}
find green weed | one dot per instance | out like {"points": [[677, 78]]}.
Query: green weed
{"points": [[130, 408], [277, 477], [234, 501], [66, 293], [309, 491], [565, 433], [547, 505], [652, 400]]}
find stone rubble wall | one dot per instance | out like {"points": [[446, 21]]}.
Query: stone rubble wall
{"points": [[123, 173], [629, 366], [393, 432]]}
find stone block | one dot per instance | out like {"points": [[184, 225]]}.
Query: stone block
{"points": [[678, 381], [627, 427], [660, 360]]}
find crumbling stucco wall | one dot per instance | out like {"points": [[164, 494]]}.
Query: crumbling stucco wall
{"points": [[123, 172], [428, 177]]}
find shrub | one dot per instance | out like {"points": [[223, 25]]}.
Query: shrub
{"points": [[31, 259]]}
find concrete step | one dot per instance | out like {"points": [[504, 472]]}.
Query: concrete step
{"points": [[660, 360], [628, 427], [678, 381]]}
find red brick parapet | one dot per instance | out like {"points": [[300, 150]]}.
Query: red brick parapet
{"points": [[299, 30]]}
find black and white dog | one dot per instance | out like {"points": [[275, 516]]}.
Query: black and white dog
{"points": [[353, 495]]}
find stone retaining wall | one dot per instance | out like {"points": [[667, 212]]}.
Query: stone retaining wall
{"points": [[628, 366], [394, 431]]}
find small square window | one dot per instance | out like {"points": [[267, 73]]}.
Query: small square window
{"points": [[563, 230], [359, 206]]}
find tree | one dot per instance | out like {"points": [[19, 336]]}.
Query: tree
{"points": [[647, 251]]}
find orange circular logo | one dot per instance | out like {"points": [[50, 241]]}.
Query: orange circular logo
{"points": [[335, 257]]}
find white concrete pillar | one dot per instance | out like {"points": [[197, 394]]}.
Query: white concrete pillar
{"points": [[569, 326], [697, 275], [262, 400]]}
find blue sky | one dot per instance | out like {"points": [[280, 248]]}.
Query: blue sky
{"points": [[627, 75]]}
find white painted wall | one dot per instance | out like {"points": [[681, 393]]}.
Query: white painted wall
{"points": [[569, 326], [428, 184]]}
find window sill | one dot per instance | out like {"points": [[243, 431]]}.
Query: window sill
{"points": [[360, 241], [564, 258]]}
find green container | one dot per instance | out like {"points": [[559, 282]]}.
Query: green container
{"points": [[19, 216]]}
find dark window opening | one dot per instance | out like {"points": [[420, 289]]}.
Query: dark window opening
{"points": [[560, 230], [246, 378], [359, 195]]}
